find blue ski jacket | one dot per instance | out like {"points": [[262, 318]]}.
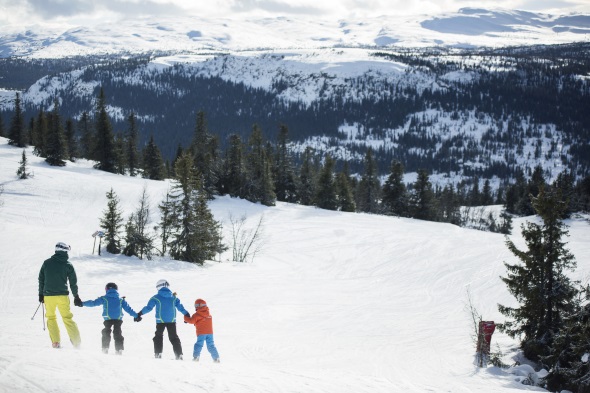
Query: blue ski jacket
{"points": [[166, 304], [112, 305]]}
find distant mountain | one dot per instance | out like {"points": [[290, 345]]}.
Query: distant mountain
{"points": [[479, 93], [466, 28]]}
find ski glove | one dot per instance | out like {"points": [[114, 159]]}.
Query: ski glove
{"points": [[41, 299], [188, 316], [78, 301], [138, 317]]}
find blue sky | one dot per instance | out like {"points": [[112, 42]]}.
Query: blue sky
{"points": [[95, 11]]}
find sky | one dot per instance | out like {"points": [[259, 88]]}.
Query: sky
{"points": [[334, 302], [79, 12]]}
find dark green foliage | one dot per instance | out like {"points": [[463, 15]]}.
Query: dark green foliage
{"points": [[284, 171], [153, 165], [71, 141], [206, 155], [87, 137], [325, 197], [345, 195], [56, 150], [16, 133], [449, 206], [307, 178], [111, 222], [259, 182], [422, 201], [104, 148], [119, 154], [233, 181], [539, 282], [195, 235], [2, 131], [138, 241], [395, 196], [133, 158], [40, 134], [368, 192], [22, 171]]}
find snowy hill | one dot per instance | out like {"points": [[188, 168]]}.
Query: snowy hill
{"points": [[466, 28], [338, 302]]}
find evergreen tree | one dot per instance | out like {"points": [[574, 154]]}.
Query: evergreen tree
{"points": [[565, 183], [369, 188], [139, 241], [71, 141], [395, 196], [233, 173], [153, 165], [325, 197], [31, 131], [345, 196], [111, 222], [284, 173], [422, 202], [105, 151], [16, 133], [2, 131], [56, 149], [133, 163], [195, 235], [40, 134], [475, 195], [87, 139], [449, 207], [539, 282], [119, 155], [205, 153], [168, 220], [22, 171], [486, 194], [307, 178], [259, 185]]}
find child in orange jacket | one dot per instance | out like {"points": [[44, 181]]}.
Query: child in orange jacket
{"points": [[204, 325]]}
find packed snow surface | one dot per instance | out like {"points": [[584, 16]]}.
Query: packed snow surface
{"points": [[337, 302]]}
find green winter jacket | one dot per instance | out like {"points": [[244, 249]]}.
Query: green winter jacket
{"points": [[54, 276]]}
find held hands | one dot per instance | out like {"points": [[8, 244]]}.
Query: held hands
{"points": [[41, 299], [78, 301], [138, 317], [186, 316]]}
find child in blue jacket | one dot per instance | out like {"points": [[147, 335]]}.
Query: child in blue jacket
{"points": [[166, 304], [112, 312]]}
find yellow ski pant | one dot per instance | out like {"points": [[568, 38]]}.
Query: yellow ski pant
{"points": [[62, 303]]}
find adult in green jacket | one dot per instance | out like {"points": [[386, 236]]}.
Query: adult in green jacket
{"points": [[54, 276]]}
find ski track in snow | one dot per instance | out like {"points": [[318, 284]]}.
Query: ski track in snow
{"points": [[336, 302]]}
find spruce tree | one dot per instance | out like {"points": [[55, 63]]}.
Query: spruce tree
{"points": [[71, 141], [119, 154], [486, 194], [307, 178], [259, 183], [153, 165], [233, 173], [40, 134], [205, 154], [284, 173], [104, 148], [422, 202], [168, 221], [2, 131], [325, 197], [111, 222], [395, 196], [345, 197], [369, 188], [87, 139], [539, 282], [16, 132], [139, 241], [195, 236], [133, 163], [22, 171], [56, 149]]}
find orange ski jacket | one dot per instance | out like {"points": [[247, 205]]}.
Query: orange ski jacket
{"points": [[202, 320]]}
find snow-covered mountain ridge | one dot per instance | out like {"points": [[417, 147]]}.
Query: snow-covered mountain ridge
{"points": [[468, 27]]}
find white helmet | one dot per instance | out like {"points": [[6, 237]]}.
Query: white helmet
{"points": [[61, 246], [162, 283]]}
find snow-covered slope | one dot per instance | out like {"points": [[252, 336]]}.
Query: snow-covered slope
{"points": [[465, 28], [337, 302]]}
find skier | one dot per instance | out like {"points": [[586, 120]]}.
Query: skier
{"points": [[53, 291], [167, 303], [204, 325], [112, 312]]}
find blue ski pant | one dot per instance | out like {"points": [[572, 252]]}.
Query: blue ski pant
{"points": [[201, 340]]}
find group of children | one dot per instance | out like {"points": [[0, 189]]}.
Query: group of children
{"points": [[166, 304]]}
